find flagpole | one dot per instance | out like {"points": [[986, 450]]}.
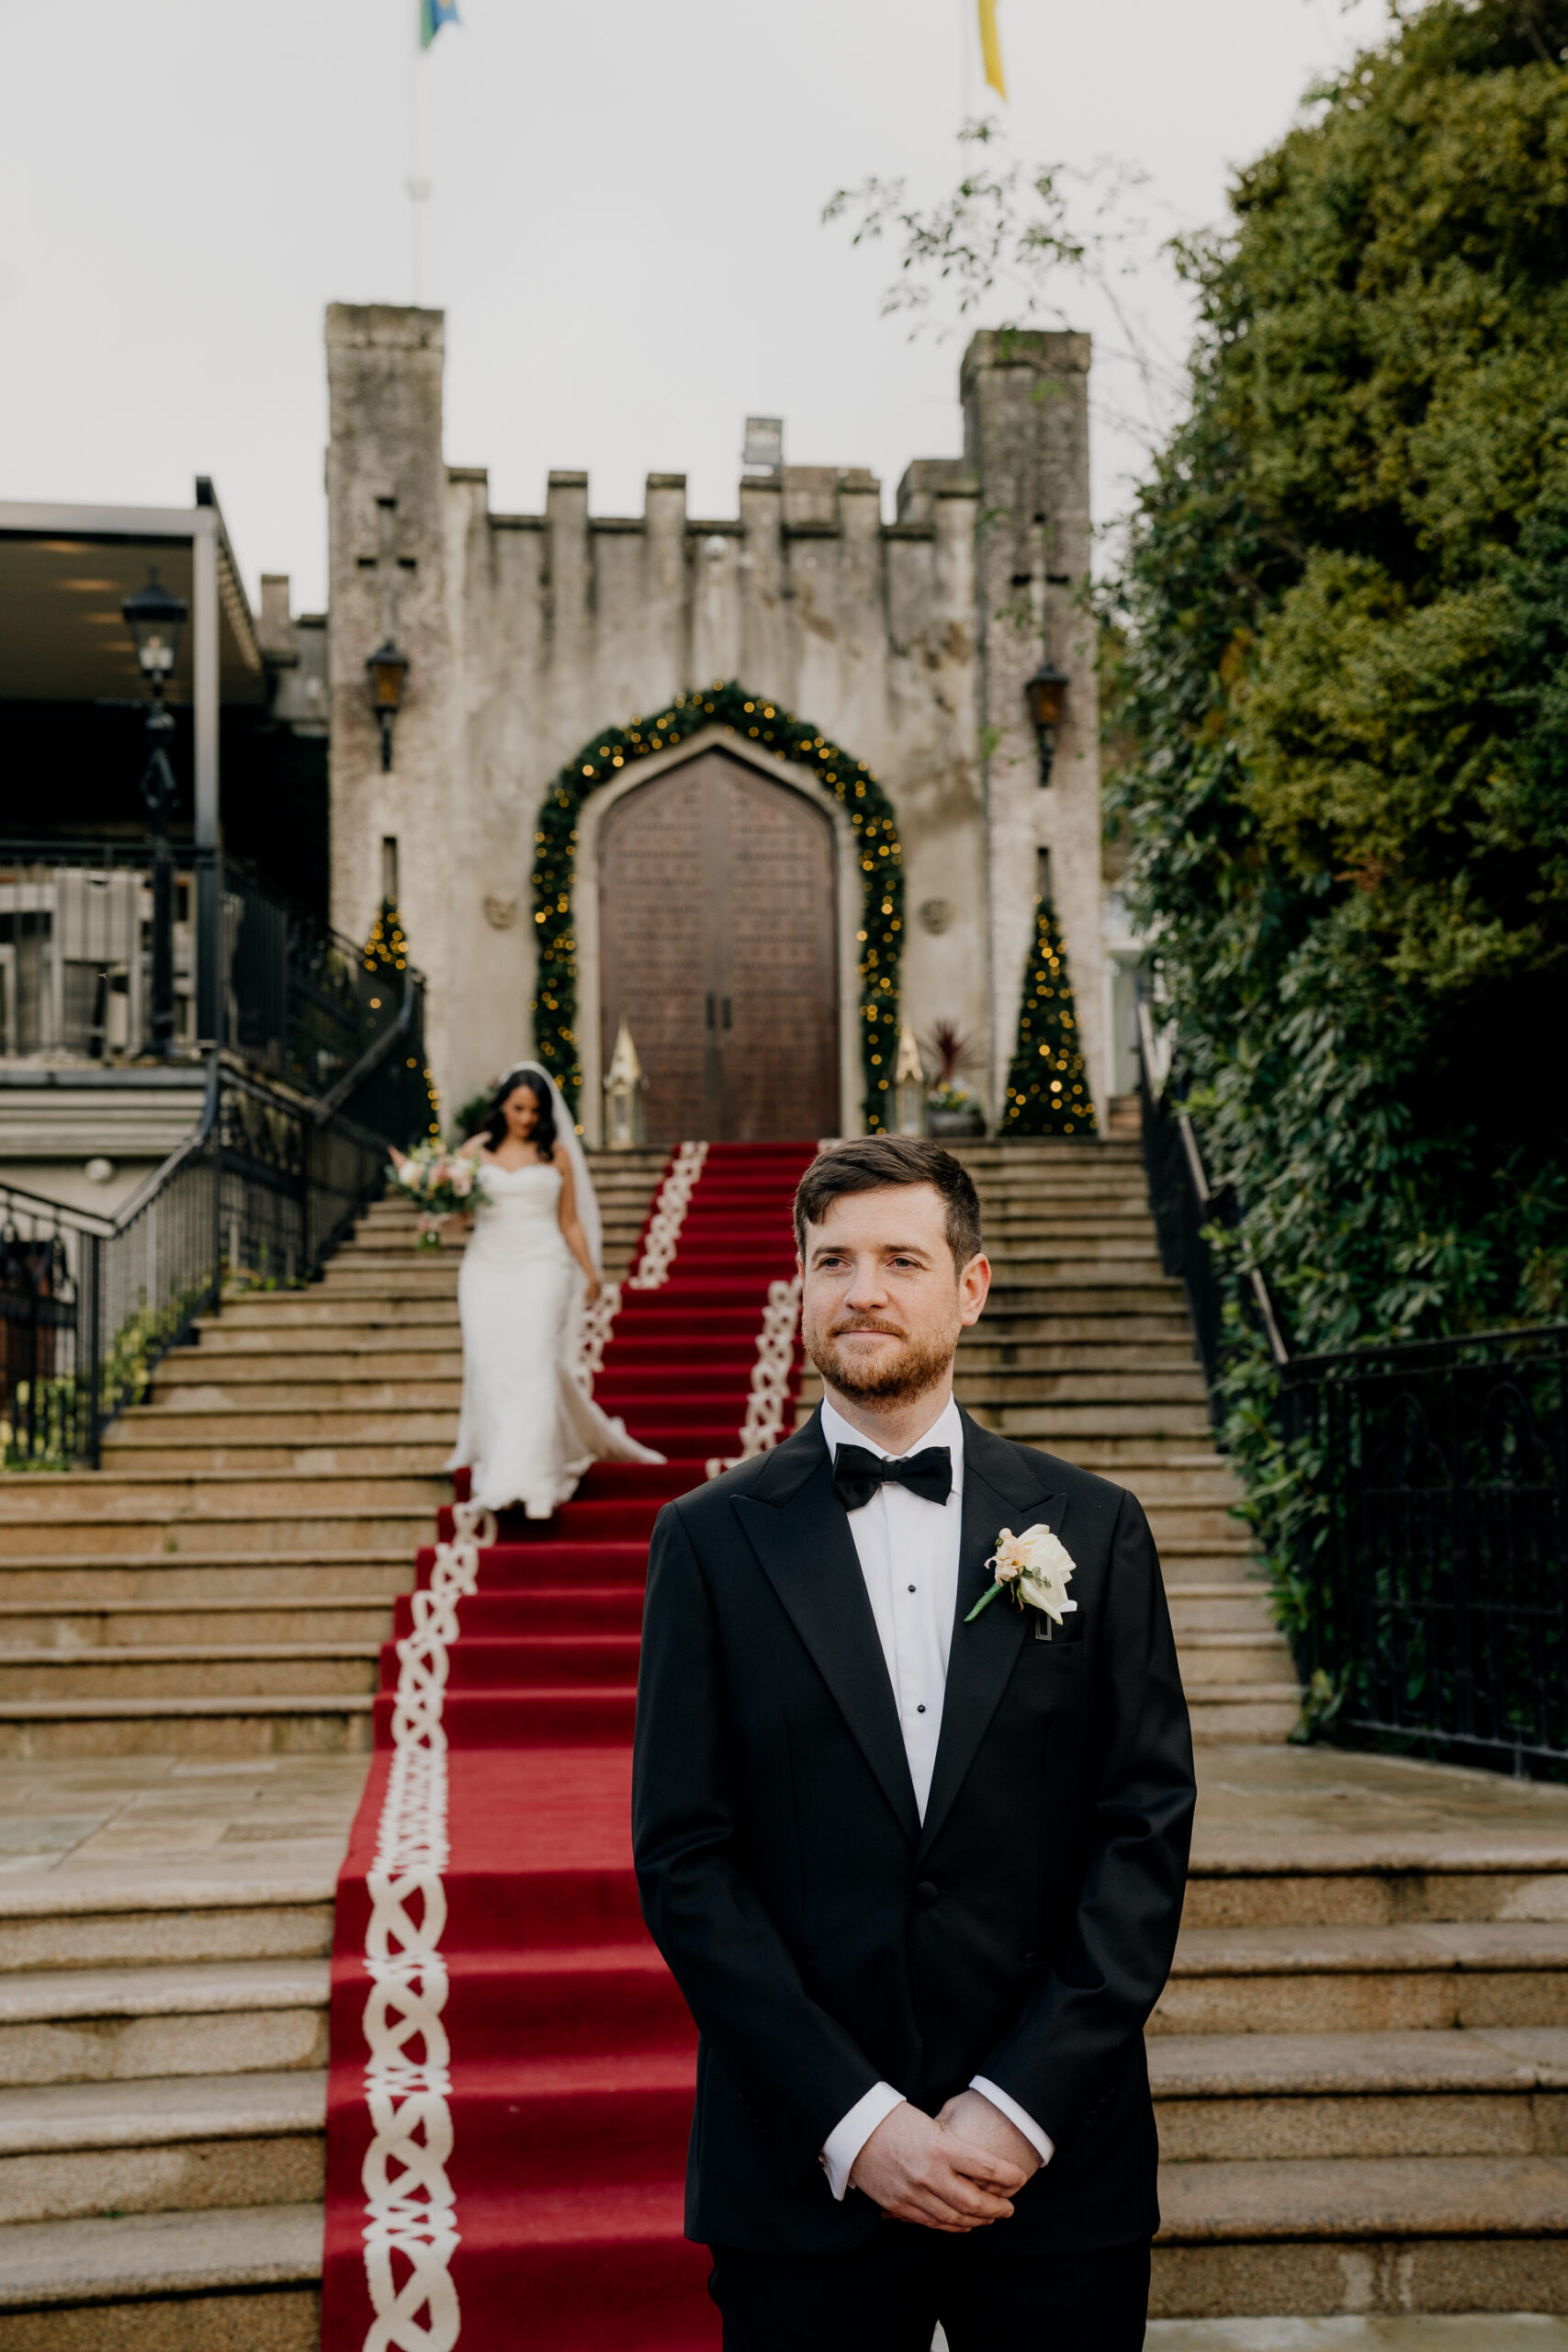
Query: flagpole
{"points": [[419, 178]]}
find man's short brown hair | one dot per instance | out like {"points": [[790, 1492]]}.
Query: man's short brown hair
{"points": [[871, 1164]]}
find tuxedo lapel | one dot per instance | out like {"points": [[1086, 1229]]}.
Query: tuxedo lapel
{"points": [[799, 1531], [1000, 1485]]}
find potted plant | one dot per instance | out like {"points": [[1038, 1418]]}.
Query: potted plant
{"points": [[953, 1109]]}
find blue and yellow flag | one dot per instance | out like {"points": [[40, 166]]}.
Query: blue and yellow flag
{"points": [[991, 48], [432, 14]]}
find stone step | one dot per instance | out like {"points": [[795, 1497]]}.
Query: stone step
{"points": [[1243, 1711], [217, 1525], [1047, 1425], [1439, 2233], [305, 1310], [1162, 1334], [331, 1358], [347, 1458], [37, 1500], [203, 1622], [1300, 1880], [180, 2144], [208, 2281], [152, 1918], [118, 2025], [1420, 1978], [216, 1671], [1091, 1356], [1069, 1286], [202, 1422], [1024, 1391], [1215, 1607], [1221, 2097], [429, 1274], [308, 1406], [91, 1581], [228, 1728], [1225, 1658]]}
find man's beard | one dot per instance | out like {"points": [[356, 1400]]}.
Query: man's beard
{"points": [[897, 1379]]}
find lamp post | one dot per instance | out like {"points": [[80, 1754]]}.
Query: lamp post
{"points": [[385, 672], [156, 620], [1046, 694]]}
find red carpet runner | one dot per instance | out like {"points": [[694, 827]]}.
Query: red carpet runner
{"points": [[512, 2065]]}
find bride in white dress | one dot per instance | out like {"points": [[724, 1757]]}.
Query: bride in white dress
{"points": [[529, 1428]]}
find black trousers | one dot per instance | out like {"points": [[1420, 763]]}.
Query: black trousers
{"points": [[888, 2295]]}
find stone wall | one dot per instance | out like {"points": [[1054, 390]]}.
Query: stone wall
{"points": [[526, 633]]}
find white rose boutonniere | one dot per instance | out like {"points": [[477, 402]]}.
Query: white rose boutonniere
{"points": [[1033, 1569]]}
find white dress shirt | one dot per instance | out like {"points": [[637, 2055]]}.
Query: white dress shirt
{"points": [[908, 1550]]}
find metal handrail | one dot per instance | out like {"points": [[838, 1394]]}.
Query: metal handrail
{"points": [[375, 1054], [268, 1185]]}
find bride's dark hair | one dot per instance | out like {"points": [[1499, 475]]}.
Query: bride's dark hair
{"points": [[543, 1134]]}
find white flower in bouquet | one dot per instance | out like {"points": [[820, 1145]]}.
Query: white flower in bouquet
{"points": [[441, 1183]]}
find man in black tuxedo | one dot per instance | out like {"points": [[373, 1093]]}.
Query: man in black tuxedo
{"points": [[918, 1873]]}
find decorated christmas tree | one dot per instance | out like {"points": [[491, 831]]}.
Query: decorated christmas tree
{"points": [[1048, 1082], [387, 950]]}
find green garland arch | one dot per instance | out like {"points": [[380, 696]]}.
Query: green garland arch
{"points": [[850, 782]]}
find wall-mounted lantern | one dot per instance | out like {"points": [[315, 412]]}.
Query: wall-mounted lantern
{"points": [[1046, 694], [385, 672], [625, 1092]]}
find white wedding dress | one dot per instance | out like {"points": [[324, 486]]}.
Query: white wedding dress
{"points": [[528, 1430]]}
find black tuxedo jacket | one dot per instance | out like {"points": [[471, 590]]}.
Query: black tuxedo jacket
{"points": [[823, 1936]]}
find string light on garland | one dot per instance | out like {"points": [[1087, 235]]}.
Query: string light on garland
{"points": [[1048, 1083], [387, 950], [847, 780]]}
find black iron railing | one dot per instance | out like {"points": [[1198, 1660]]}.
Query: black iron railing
{"points": [[1438, 1558], [1187, 1209], [1419, 1488], [291, 996], [262, 1193]]}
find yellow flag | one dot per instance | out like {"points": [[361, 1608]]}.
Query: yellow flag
{"points": [[991, 48]]}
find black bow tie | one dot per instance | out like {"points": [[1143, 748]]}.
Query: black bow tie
{"points": [[858, 1472]]}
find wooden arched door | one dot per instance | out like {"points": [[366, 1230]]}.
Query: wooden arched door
{"points": [[717, 910]]}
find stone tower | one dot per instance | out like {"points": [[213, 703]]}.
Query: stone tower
{"points": [[907, 645]]}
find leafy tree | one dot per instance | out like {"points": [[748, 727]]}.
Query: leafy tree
{"points": [[1338, 660], [1341, 664]]}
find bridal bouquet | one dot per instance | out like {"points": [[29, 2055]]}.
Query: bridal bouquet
{"points": [[442, 1183]]}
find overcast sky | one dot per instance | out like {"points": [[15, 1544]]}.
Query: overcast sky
{"points": [[626, 233]]}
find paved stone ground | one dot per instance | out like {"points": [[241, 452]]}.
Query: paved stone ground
{"points": [[1315, 1805], [74, 1825], [63, 1821]]}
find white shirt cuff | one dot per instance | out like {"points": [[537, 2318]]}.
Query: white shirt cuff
{"points": [[847, 2138], [1040, 2140]]}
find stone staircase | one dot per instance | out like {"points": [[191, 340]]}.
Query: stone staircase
{"points": [[1360, 2064], [1085, 1348], [197, 1628]]}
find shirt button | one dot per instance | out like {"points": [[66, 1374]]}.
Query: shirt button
{"points": [[920, 1709], [912, 1588]]}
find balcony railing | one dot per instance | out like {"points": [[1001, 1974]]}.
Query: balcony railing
{"points": [[290, 996], [262, 1193]]}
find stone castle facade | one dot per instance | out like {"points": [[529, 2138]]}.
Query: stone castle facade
{"points": [[907, 643]]}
